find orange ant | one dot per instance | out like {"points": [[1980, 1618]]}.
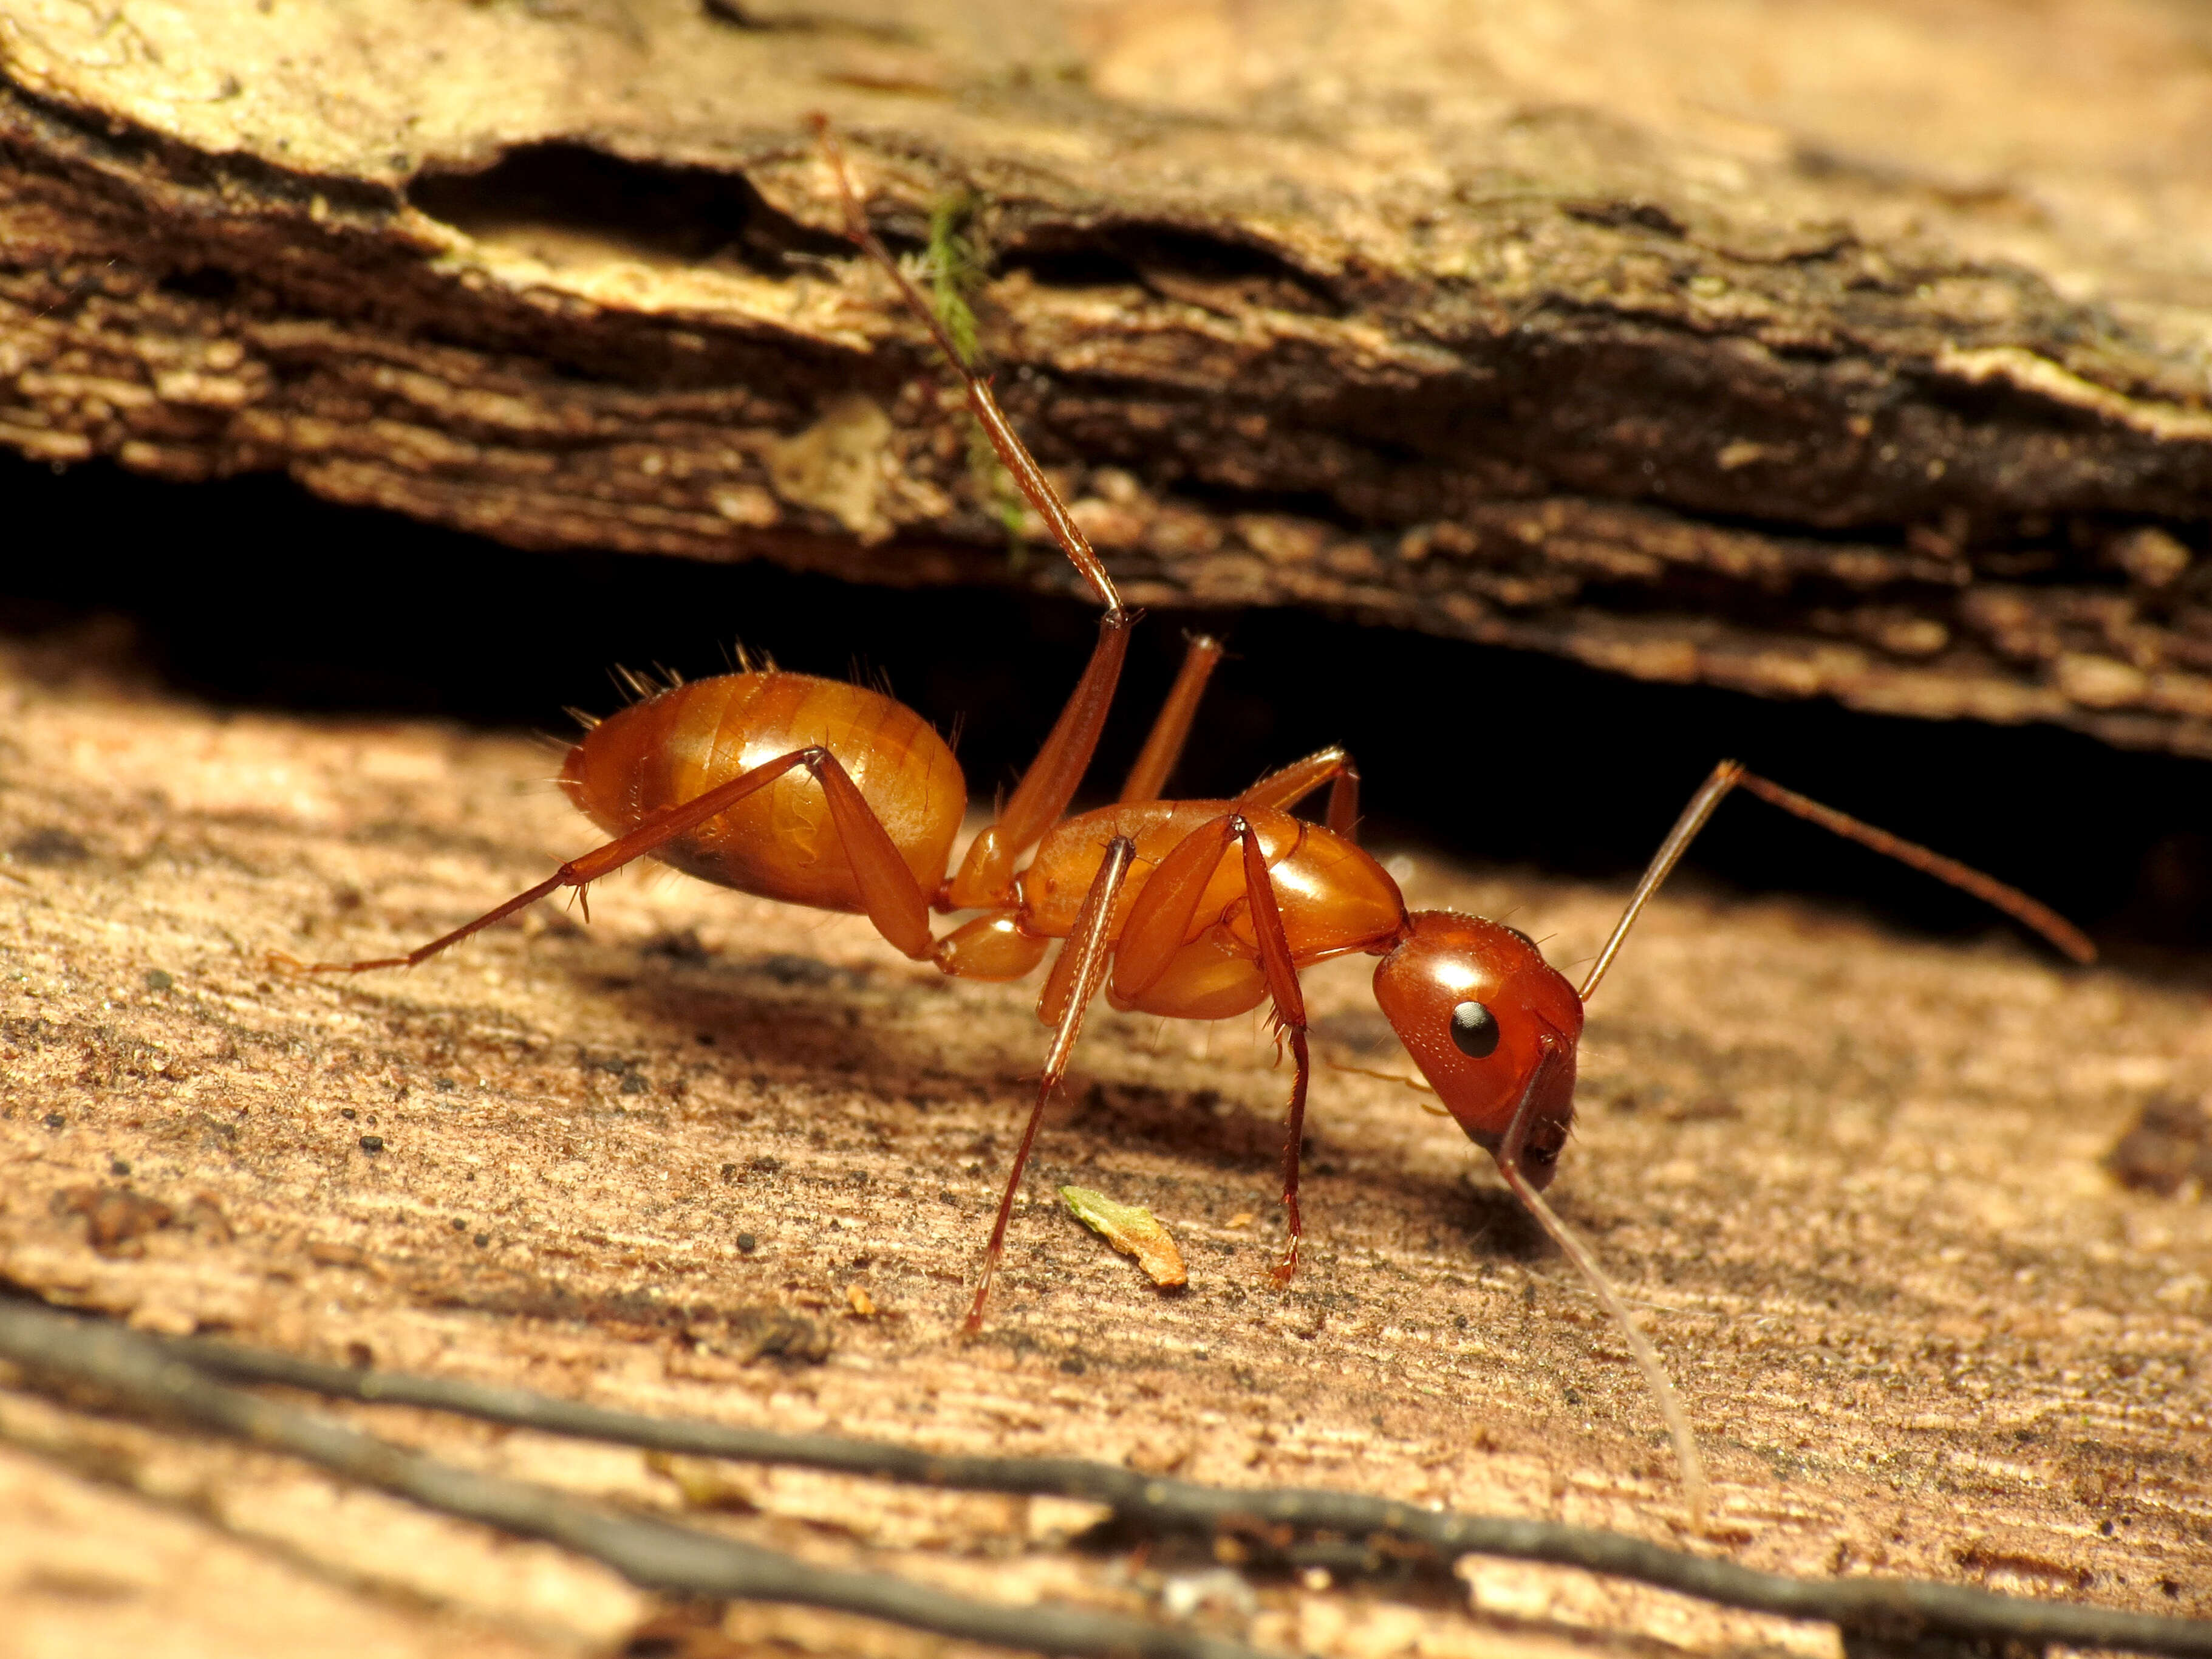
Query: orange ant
{"points": [[835, 796]]}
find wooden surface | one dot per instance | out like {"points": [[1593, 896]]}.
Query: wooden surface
{"points": [[1855, 1182], [1855, 351]]}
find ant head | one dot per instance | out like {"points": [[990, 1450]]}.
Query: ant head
{"points": [[1477, 1007]]}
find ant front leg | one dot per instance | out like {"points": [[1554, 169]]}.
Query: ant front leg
{"points": [[1165, 917], [1068, 990]]}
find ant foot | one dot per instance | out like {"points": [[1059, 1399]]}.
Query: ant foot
{"points": [[974, 1323], [282, 961]]}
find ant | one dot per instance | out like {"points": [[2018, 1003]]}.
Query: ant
{"points": [[817, 792]]}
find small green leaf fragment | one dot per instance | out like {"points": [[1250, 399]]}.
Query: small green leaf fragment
{"points": [[956, 268], [1130, 1229]]}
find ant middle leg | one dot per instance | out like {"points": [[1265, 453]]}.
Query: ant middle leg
{"points": [[994, 945], [1171, 730], [1285, 789]]}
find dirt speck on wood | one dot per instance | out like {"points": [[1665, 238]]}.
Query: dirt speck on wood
{"points": [[1856, 1182]]}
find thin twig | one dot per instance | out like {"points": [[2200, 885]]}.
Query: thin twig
{"points": [[1890, 1608], [161, 1379]]}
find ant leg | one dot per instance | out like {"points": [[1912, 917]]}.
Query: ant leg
{"points": [[1160, 922], [1728, 775], [892, 897], [1285, 789], [1290, 1002], [657, 830], [1028, 475], [985, 880], [1172, 728], [986, 877], [1073, 981], [902, 915]]}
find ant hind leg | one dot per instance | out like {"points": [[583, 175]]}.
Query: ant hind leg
{"points": [[656, 832], [985, 878], [893, 899]]}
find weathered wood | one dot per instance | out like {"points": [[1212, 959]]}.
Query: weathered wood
{"points": [[1853, 351]]}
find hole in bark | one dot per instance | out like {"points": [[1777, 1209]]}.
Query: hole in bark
{"points": [[566, 203], [802, 17], [1174, 262], [1625, 214], [210, 283]]}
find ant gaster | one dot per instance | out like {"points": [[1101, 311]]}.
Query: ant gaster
{"points": [[835, 796]]}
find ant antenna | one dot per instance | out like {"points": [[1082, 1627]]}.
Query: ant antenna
{"points": [[1728, 776], [1696, 1490], [2029, 913]]}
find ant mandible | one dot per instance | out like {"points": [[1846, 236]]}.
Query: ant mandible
{"points": [[821, 793]]}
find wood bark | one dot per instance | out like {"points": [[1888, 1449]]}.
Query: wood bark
{"points": [[1857, 351]]}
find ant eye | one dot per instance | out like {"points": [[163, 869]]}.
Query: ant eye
{"points": [[1474, 1028]]}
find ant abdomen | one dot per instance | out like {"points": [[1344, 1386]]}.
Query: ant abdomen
{"points": [[778, 843]]}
